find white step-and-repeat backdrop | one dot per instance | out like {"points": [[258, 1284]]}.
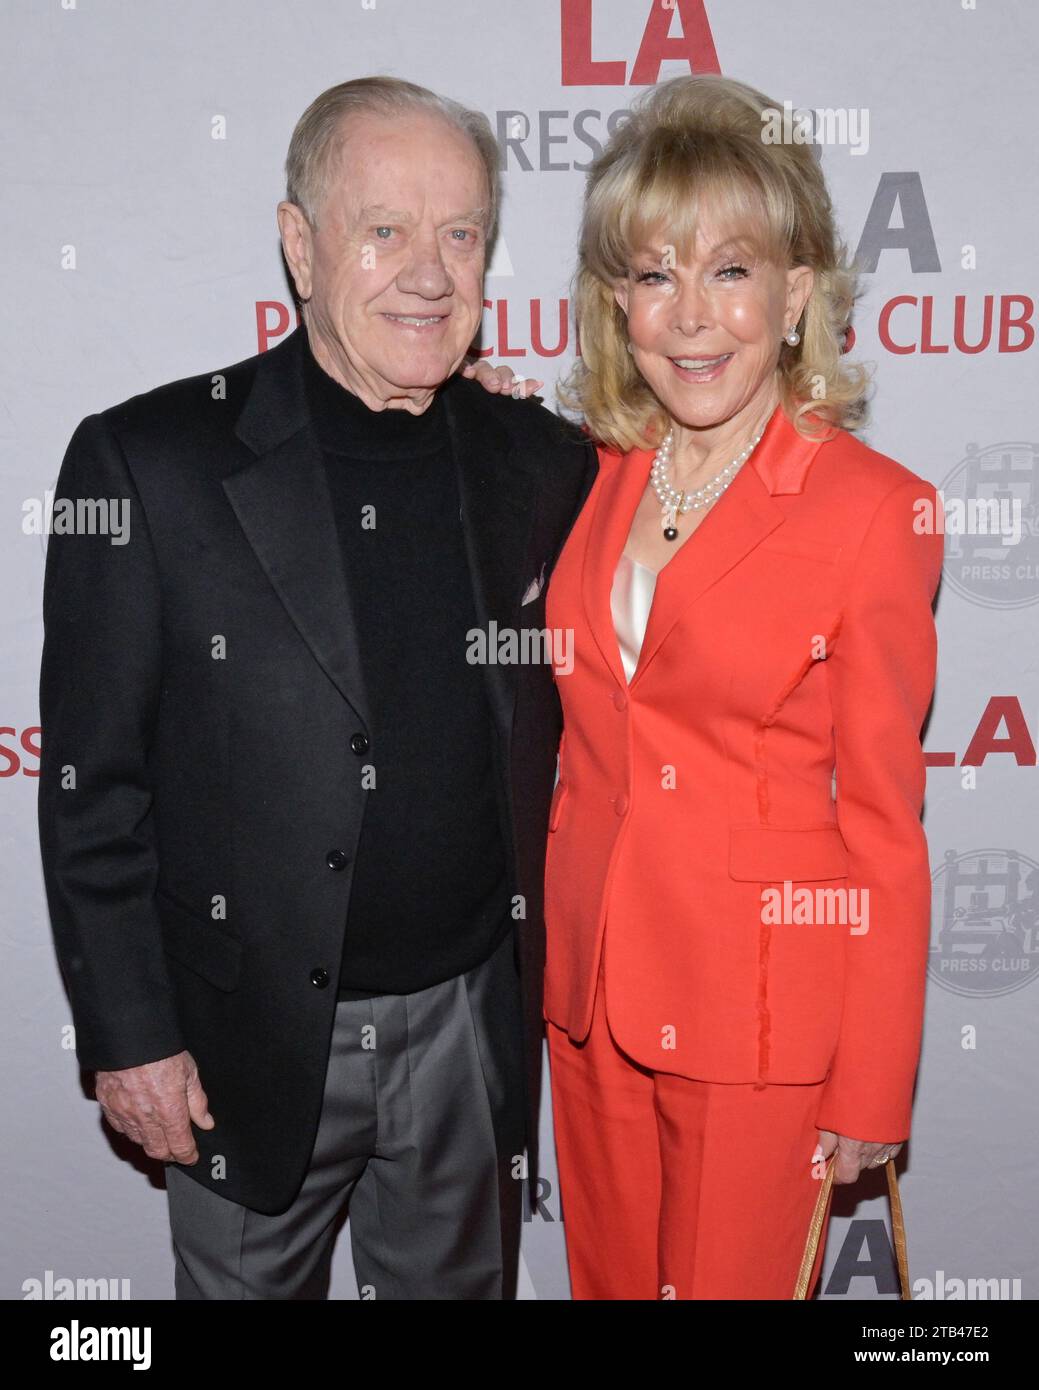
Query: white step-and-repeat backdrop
{"points": [[141, 164]]}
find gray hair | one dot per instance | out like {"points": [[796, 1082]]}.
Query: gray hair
{"points": [[318, 136]]}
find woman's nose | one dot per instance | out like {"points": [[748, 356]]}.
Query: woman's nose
{"points": [[691, 309]]}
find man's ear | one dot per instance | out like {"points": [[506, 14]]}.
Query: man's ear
{"points": [[298, 245]]}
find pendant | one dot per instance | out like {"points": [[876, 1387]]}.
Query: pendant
{"points": [[670, 533], [670, 518]]}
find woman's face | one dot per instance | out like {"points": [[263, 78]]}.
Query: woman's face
{"points": [[706, 333]]}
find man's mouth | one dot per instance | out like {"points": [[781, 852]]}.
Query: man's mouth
{"points": [[417, 320]]}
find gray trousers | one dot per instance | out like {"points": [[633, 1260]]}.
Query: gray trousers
{"points": [[421, 1121]]}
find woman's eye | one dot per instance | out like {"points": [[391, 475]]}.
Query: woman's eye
{"points": [[739, 272], [645, 277]]}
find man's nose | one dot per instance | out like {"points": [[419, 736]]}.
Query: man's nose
{"points": [[425, 273]]}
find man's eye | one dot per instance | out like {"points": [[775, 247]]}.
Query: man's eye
{"points": [[380, 230], [462, 232]]}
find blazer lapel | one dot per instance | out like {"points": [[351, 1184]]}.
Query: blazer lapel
{"points": [[496, 488], [616, 501], [284, 506], [741, 518]]}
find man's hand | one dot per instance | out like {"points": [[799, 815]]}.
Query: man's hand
{"points": [[155, 1104], [501, 380], [853, 1155]]}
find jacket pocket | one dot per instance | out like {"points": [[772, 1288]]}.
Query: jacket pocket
{"points": [[198, 943], [773, 854]]}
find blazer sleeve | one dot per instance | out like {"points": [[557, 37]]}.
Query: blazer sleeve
{"points": [[100, 683], [881, 673]]}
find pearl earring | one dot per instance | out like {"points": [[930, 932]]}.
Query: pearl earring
{"points": [[792, 337]]}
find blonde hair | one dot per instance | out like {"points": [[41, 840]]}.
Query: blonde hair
{"points": [[694, 145], [318, 137]]}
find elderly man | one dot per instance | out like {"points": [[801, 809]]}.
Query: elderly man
{"points": [[292, 838]]}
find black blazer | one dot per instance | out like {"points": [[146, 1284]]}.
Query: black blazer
{"points": [[199, 688]]}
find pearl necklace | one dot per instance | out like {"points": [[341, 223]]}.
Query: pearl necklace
{"points": [[673, 502]]}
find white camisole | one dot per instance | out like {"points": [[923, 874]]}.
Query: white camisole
{"points": [[630, 602]]}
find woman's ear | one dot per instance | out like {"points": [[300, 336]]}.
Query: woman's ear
{"points": [[620, 293], [799, 283]]}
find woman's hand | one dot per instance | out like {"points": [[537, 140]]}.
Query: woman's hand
{"points": [[499, 380], [853, 1155]]}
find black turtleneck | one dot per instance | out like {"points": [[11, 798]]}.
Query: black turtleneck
{"points": [[430, 896]]}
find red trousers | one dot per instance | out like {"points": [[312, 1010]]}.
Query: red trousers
{"points": [[674, 1188]]}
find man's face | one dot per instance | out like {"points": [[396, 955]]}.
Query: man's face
{"points": [[394, 272]]}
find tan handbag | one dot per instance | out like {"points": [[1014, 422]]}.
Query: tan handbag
{"points": [[815, 1227]]}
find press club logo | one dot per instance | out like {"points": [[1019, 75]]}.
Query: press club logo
{"points": [[991, 563], [984, 922]]}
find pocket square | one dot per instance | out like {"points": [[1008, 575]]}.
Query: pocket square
{"points": [[534, 588]]}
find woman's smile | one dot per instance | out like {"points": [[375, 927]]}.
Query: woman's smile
{"points": [[695, 369]]}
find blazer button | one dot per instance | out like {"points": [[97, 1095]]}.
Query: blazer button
{"points": [[336, 859], [620, 803], [620, 700], [319, 977], [359, 744]]}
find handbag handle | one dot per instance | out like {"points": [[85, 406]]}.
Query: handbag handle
{"points": [[815, 1227]]}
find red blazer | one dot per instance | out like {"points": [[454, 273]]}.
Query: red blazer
{"points": [[790, 635]]}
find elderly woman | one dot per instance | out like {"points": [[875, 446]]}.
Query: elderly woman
{"points": [[737, 884]]}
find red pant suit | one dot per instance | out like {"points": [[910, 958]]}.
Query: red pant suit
{"points": [[791, 635]]}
